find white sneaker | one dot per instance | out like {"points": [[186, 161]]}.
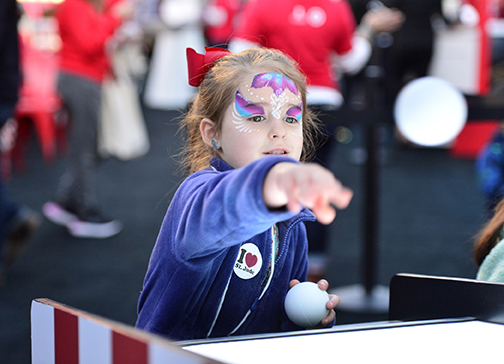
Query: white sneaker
{"points": [[57, 214], [94, 230]]}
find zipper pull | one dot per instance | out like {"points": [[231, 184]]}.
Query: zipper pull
{"points": [[268, 273]]}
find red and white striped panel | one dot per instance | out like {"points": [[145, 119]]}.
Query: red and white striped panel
{"points": [[62, 335]]}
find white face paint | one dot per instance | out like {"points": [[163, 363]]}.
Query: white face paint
{"points": [[277, 103], [267, 111], [240, 121]]}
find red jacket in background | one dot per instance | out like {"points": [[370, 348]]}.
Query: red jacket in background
{"points": [[83, 32], [220, 33], [307, 30]]}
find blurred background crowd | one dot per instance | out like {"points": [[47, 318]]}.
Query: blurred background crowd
{"points": [[90, 147]]}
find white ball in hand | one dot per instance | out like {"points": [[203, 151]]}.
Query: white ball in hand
{"points": [[305, 304]]}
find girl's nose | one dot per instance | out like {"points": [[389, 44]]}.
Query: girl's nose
{"points": [[278, 129]]}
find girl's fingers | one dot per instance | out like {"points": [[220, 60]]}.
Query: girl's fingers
{"points": [[325, 214], [311, 186], [328, 319], [293, 283], [323, 284], [294, 206], [342, 198], [333, 302]]}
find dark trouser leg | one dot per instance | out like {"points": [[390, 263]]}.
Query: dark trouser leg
{"points": [[77, 187]]}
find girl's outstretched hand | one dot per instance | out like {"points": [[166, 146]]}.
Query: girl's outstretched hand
{"points": [[330, 305], [310, 185]]}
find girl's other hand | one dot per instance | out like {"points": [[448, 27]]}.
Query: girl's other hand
{"points": [[330, 305]]}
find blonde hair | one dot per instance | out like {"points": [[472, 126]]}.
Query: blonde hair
{"points": [[217, 92]]}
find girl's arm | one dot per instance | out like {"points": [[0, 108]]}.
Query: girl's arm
{"points": [[212, 210]]}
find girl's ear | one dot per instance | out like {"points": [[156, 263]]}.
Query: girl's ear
{"points": [[208, 131]]}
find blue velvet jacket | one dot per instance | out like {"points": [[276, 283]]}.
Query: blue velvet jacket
{"points": [[209, 274]]}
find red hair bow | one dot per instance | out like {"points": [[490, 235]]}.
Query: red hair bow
{"points": [[199, 64]]}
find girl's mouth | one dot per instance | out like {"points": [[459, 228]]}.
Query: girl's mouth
{"points": [[276, 152]]}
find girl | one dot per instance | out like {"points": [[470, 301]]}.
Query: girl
{"points": [[489, 248], [233, 240]]}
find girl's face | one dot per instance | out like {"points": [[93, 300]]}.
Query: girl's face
{"points": [[264, 119]]}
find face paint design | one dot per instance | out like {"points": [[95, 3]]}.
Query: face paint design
{"points": [[297, 112], [246, 108], [278, 83], [242, 109], [250, 132], [277, 102]]}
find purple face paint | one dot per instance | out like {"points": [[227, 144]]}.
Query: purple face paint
{"points": [[276, 81], [246, 108], [296, 111]]}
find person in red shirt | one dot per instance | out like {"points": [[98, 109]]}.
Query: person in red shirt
{"points": [[219, 18], [84, 28], [320, 35], [312, 32]]}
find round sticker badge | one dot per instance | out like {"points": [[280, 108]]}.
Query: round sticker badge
{"points": [[249, 261]]}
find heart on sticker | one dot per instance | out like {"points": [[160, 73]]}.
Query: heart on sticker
{"points": [[250, 260]]}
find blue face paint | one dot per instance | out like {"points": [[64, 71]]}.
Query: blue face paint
{"points": [[246, 108], [296, 111]]}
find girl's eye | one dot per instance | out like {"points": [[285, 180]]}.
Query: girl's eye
{"points": [[256, 118], [291, 120]]}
